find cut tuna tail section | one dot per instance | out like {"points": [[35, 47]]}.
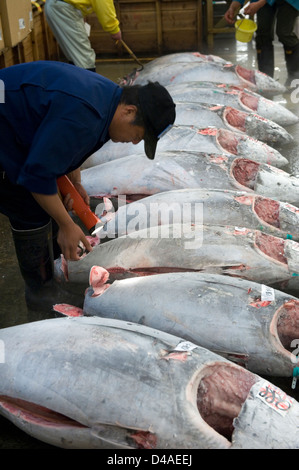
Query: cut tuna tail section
{"points": [[236, 118], [267, 210], [245, 172], [286, 321], [266, 180], [246, 74], [220, 405], [250, 102]]}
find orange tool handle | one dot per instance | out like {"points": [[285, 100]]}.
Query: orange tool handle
{"points": [[82, 210]]}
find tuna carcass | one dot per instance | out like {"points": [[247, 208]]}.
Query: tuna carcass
{"points": [[236, 208], [192, 137], [246, 322], [99, 383], [235, 97], [235, 251], [136, 176], [209, 71], [200, 115], [184, 57]]}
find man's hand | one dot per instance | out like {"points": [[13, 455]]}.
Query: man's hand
{"points": [[69, 234], [68, 201], [75, 178], [117, 36], [231, 13]]}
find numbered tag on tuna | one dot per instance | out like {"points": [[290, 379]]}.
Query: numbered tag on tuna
{"points": [[275, 398], [267, 293]]}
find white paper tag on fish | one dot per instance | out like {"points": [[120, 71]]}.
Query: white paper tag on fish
{"points": [[275, 398], [267, 293], [185, 346]]}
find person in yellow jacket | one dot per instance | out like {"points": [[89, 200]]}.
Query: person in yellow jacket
{"points": [[66, 20]]}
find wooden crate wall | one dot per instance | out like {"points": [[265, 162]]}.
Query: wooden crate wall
{"points": [[152, 26]]}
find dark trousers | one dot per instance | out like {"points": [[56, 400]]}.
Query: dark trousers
{"points": [[18, 204], [285, 16], [22, 210]]}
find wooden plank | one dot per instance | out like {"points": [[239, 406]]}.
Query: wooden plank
{"points": [[159, 25], [37, 38], [7, 57], [199, 25], [27, 50]]}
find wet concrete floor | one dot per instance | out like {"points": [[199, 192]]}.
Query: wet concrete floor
{"points": [[13, 309]]}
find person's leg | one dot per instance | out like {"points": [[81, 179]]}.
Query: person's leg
{"points": [[67, 25], [286, 18], [34, 244], [264, 39]]}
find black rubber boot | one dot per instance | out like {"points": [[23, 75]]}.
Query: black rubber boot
{"points": [[34, 250], [292, 63], [265, 60]]}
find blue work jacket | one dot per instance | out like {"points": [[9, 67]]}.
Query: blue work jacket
{"points": [[53, 117]]}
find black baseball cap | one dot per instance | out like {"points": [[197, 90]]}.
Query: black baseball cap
{"points": [[158, 112]]}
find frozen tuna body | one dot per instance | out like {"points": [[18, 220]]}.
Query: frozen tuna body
{"points": [[209, 71], [237, 208], [72, 390], [183, 57], [235, 251], [233, 96], [254, 332], [136, 176], [206, 139], [250, 124]]}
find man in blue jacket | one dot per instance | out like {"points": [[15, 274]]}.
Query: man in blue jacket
{"points": [[285, 13], [54, 116]]}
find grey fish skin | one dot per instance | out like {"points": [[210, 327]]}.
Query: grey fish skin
{"points": [[192, 137], [225, 315], [250, 124], [137, 176], [208, 71], [236, 97], [183, 57], [234, 251], [103, 375], [237, 208]]}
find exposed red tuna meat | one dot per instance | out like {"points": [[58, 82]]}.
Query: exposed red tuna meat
{"points": [[246, 74], [221, 394], [145, 439], [236, 118], [271, 246], [267, 210], [250, 101], [228, 141], [245, 172], [33, 413], [288, 324]]}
